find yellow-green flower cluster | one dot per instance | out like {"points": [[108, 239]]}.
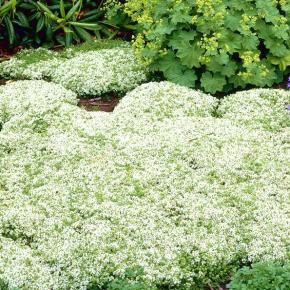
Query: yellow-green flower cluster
{"points": [[206, 41]]}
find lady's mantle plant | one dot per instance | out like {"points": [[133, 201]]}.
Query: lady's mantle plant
{"points": [[217, 45], [266, 276], [167, 190]]}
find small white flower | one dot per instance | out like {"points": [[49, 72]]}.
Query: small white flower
{"points": [[160, 184], [88, 73]]}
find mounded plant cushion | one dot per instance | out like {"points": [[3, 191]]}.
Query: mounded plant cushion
{"points": [[88, 70], [166, 190], [261, 108]]}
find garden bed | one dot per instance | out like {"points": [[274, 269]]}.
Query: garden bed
{"points": [[114, 178], [173, 189]]}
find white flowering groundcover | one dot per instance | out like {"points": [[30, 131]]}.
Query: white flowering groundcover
{"points": [[172, 187], [89, 69]]}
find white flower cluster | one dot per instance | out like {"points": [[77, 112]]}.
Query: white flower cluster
{"points": [[18, 67], [88, 73], [161, 184], [259, 108]]}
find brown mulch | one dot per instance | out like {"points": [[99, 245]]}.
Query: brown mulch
{"points": [[97, 104]]}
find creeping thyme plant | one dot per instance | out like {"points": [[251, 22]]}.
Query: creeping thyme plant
{"points": [[215, 45], [170, 190], [89, 69]]}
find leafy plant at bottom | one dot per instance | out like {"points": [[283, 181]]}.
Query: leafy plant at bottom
{"points": [[266, 276]]}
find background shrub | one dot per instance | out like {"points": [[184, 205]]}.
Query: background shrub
{"points": [[216, 45], [266, 276], [57, 21]]}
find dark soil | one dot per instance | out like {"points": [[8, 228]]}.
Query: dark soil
{"points": [[98, 104], [6, 51], [222, 287]]}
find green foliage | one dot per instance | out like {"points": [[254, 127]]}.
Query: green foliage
{"points": [[6, 9], [56, 21], [215, 45], [3, 286], [121, 284], [129, 281], [266, 276], [67, 21]]}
